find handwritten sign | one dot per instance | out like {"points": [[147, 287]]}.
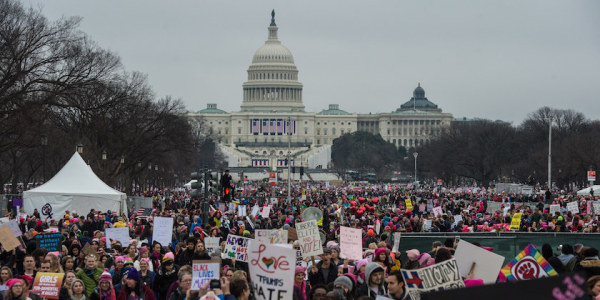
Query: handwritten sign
{"points": [[47, 285], [274, 236], [427, 225], [8, 239], [554, 208], [50, 241], [212, 246], [13, 225], [408, 204], [573, 207], [242, 210], [163, 230], [441, 276], [396, 241], [437, 211], [204, 271], [350, 243], [117, 234], [515, 223], [487, 264], [309, 238], [265, 212], [237, 247], [597, 208], [272, 271]]}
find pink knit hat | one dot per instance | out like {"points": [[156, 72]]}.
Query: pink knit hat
{"points": [[105, 276], [360, 263], [300, 269], [423, 258], [379, 251], [413, 254]]}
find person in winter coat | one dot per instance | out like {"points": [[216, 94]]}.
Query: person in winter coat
{"points": [[105, 289], [552, 260], [590, 263], [301, 289], [185, 283], [374, 284], [397, 287], [167, 274], [325, 271], [90, 274], [134, 288]]}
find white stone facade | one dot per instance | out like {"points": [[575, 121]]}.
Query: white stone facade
{"points": [[272, 115]]}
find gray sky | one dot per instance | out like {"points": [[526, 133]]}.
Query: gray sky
{"points": [[496, 59]]}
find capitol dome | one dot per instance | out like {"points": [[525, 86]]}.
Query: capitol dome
{"points": [[272, 78]]}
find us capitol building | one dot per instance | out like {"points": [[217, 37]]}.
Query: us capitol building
{"points": [[272, 117]]}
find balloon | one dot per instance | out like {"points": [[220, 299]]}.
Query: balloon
{"points": [[361, 199], [375, 200], [353, 203]]}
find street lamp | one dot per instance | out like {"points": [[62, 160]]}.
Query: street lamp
{"points": [[415, 154], [549, 119], [289, 162], [79, 148], [104, 155], [44, 142], [122, 159]]}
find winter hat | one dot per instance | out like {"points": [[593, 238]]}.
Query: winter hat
{"points": [[300, 269], [167, 260], [133, 274], [105, 276], [371, 232], [142, 250], [28, 280], [361, 263], [12, 282], [423, 258], [77, 280], [413, 254], [170, 255], [379, 251], [345, 281], [119, 259]]}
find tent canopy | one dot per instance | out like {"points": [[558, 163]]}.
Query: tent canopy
{"points": [[75, 188], [586, 191]]}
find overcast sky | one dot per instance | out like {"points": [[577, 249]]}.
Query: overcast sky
{"points": [[497, 59]]}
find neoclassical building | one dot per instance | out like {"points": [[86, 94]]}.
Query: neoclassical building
{"points": [[272, 124]]}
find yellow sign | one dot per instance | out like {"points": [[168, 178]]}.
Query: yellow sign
{"points": [[516, 221], [408, 204]]}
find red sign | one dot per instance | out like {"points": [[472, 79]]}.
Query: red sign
{"points": [[273, 178], [591, 175], [47, 285]]}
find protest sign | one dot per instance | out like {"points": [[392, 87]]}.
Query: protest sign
{"points": [[50, 241], [292, 234], [554, 208], [255, 210], [441, 276], [204, 271], [408, 203], [377, 226], [299, 261], [427, 225], [8, 239], [573, 207], [212, 246], [13, 225], [163, 230], [429, 205], [273, 201], [487, 264], [528, 264], [309, 238], [422, 207], [597, 208], [396, 242], [237, 247], [271, 236], [570, 286], [505, 210], [272, 271], [589, 207], [437, 211], [265, 212], [515, 223], [457, 218], [87, 250], [242, 210], [250, 221], [47, 285], [350, 243], [117, 234]]}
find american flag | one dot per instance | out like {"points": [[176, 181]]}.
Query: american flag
{"points": [[265, 127], [255, 126], [279, 127], [272, 128]]}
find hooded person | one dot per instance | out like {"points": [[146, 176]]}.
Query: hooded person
{"points": [[374, 284], [344, 285], [325, 271], [166, 275], [105, 289]]}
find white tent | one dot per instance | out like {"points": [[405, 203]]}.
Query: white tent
{"points": [[586, 191], [75, 188]]}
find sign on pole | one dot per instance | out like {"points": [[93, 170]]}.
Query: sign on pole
{"points": [[309, 238], [591, 175], [350, 243], [204, 271], [163, 230]]}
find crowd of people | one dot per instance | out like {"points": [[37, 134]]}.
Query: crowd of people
{"points": [[148, 270]]}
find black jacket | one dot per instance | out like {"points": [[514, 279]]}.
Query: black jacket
{"points": [[319, 277]]}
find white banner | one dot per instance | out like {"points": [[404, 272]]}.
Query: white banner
{"points": [[272, 271], [117, 234], [265, 212], [441, 276], [163, 230], [309, 238], [350, 243]]}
